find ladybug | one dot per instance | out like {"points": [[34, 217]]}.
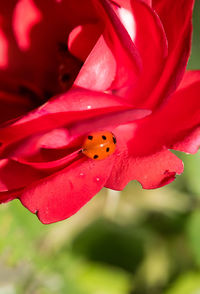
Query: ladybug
{"points": [[99, 145]]}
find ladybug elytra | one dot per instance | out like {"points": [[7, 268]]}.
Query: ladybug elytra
{"points": [[99, 145]]}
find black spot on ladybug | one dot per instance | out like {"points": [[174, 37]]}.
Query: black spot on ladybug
{"points": [[95, 156], [107, 149], [104, 137], [114, 140], [90, 137]]}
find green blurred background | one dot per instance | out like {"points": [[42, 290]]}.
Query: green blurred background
{"points": [[130, 242]]}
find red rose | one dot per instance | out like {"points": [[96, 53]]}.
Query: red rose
{"points": [[112, 66]]}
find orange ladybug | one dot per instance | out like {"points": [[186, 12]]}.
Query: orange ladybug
{"points": [[99, 145]]}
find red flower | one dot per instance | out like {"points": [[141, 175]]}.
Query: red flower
{"points": [[116, 66]]}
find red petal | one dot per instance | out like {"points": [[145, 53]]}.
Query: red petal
{"points": [[99, 69], [152, 171], [28, 55], [151, 43], [23, 23], [73, 106], [126, 3], [172, 125], [8, 196], [119, 40], [78, 42], [14, 175], [3, 50], [11, 106], [149, 2], [52, 165], [107, 122], [189, 78], [178, 13], [191, 141], [61, 195], [113, 57], [34, 149]]}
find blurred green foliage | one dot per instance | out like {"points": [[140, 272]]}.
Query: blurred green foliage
{"points": [[135, 242]]}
